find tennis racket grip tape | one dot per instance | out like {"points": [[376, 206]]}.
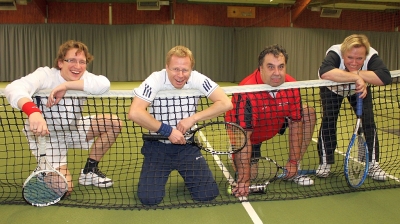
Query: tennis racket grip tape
{"points": [[359, 105], [150, 137], [42, 145]]}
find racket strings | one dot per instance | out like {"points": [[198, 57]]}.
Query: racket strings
{"points": [[220, 138], [45, 188], [357, 162], [361, 149], [262, 171], [56, 183]]}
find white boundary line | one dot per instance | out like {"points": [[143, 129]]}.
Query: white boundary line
{"points": [[247, 206]]}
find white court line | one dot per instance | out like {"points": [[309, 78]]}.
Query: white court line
{"points": [[250, 210], [247, 206], [344, 154]]}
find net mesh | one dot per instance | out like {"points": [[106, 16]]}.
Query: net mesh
{"points": [[123, 162]]}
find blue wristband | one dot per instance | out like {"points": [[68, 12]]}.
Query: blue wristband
{"points": [[165, 130]]}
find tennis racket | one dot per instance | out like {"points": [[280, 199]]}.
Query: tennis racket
{"points": [[214, 137], [265, 171], [357, 159], [45, 186]]}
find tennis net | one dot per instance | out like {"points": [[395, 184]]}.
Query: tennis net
{"points": [[123, 162]]}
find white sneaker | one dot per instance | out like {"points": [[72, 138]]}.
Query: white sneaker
{"points": [[376, 172], [96, 178], [302, 180], [323, 170]]}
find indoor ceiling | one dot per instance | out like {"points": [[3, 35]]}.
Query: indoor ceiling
{"points": [[387, 5], [339, 4], [377, 5]]}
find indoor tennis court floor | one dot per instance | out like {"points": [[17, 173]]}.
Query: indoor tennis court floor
{"points": [[377, 206]]}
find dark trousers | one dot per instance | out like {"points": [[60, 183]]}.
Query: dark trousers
{"points": [[161, 159], [327, 139]]}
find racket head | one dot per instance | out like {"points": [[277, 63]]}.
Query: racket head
{"points": [[356, 161], [265, 171], [44, 188], [220, 137]]}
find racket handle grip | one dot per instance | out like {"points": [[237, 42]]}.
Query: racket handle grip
{"points": [[359, 105], [150, 137], [42, 145], [258, 188]]}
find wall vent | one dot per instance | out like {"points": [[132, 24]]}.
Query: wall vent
{"points": [[150, 4], [331, 12], [7, 5]]}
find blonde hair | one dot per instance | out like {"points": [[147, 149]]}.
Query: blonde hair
{"points": [[180, 51], [355, 41], [71, 44]]}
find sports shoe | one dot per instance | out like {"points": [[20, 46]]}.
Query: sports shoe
{"points": [[302, 180], [376, 172], [95, 177], [323, 170]]}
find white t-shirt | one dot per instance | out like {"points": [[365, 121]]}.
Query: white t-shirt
{"points": [[172, 110], [65, 114]]}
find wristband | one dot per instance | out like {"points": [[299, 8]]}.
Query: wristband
{"points": [[165, 130], [29, 108], [294, 162]]}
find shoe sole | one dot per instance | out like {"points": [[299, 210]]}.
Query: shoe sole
{"points": [[324, 175], [304, 184], [378, 178], [298, 183], [309, 182]]}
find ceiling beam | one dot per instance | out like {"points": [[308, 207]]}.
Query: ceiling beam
{"points": [[298, 8]]}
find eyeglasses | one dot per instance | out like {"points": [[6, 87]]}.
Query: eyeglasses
{"points": [[177, 70], [74, 61]]}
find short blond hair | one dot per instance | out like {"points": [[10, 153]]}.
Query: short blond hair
{"points": [[181, 52], [355, 41], [71, 44]]}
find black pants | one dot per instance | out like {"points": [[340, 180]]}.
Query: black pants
{"points": [[327, 139]]}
